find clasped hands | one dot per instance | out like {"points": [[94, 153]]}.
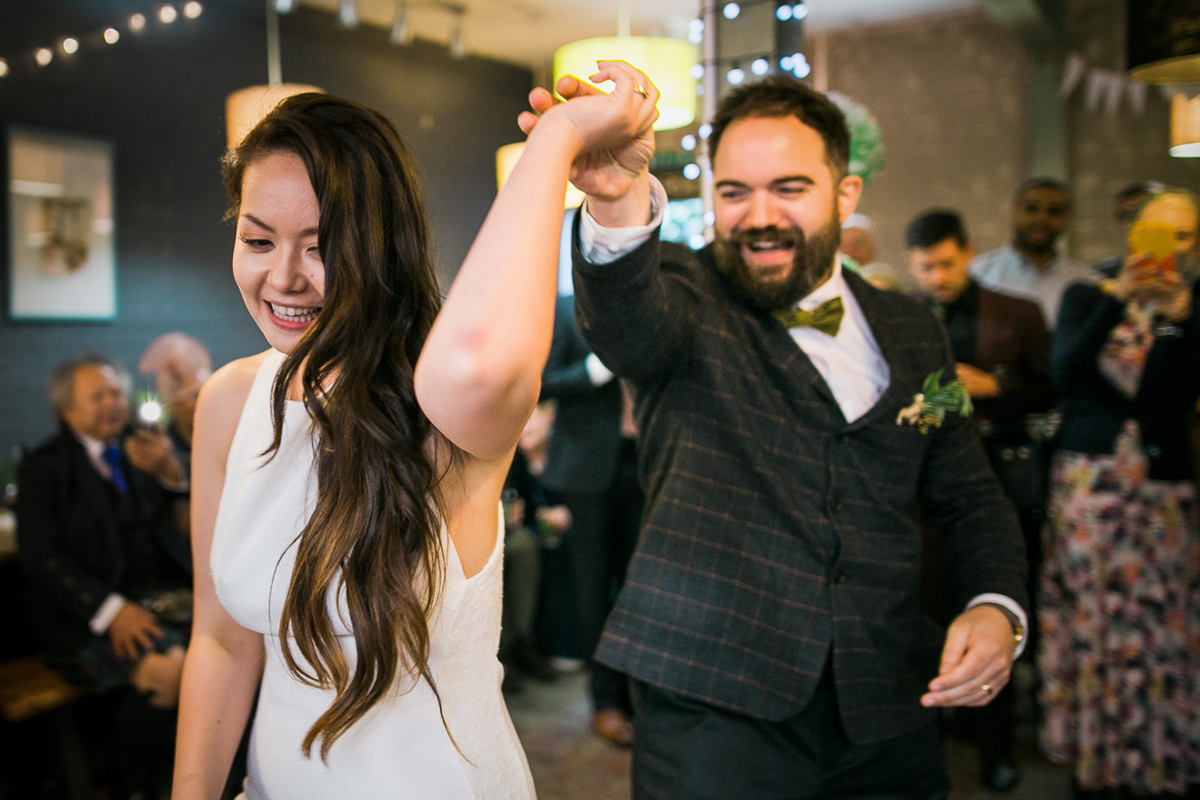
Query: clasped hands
{"points": [[976, 660], [613, 132]]}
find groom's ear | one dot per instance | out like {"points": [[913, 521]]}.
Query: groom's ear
{"points": [[848, 191]]}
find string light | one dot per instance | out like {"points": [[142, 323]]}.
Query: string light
{"points": [[167, 14], [193, 10], [688, 142], [731, 10], [283, 6], [137, 22], [705, 131], [691, 172], [759, 66], [799, 11], [783, 13], [112, 35], [696, 31], [735, 76], [70, 45], [3, 67], [696, 71]]}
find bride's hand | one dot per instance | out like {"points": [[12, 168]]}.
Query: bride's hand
{"points": [[614, 131]]}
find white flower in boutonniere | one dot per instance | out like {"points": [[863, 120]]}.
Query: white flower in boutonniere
{"points": [[930, 406]]}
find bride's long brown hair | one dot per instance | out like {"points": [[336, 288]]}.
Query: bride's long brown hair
{"points": [[374, 536]]}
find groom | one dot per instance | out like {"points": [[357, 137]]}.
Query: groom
{"points": [[770, 619]]}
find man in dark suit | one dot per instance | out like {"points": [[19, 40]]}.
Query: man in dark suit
{"points": [[771, 618], [98, 537], [592, 462], [1002, 349]]}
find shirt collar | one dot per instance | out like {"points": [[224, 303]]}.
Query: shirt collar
{"points": [[1027, 264], [94, 447], [834, 287]]}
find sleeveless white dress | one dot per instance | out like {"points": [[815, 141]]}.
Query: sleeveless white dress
{"points": [[401, 748]]}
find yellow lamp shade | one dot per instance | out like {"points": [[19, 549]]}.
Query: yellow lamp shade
{"points": [[245, 108], [1185, 126], [667, 62], [507, 158]]}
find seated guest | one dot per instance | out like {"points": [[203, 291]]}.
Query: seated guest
{"points": [[530, 515], [180, 365], [97, 540], [1003, 352]]}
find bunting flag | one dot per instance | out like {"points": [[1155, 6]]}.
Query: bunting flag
{"points": [[1102, 87]]}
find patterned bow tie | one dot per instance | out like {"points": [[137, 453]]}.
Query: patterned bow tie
{"points": [[826, 318]]}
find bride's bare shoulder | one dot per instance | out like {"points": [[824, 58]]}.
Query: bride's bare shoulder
{"points": [[223, 396]]}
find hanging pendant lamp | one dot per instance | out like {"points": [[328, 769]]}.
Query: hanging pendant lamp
{"points": [[246, 107], [667, 62]]}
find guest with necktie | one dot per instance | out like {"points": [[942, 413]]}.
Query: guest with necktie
{"points": [[99, 544]]}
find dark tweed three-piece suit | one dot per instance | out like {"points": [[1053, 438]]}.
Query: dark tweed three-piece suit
{"points": [[776, 535]]}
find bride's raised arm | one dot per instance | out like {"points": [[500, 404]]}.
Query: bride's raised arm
{"points": [[479, 373]]}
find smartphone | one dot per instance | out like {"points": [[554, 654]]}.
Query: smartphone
{"points": [[1156, 239]]}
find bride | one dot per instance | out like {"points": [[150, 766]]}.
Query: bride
{"points": [[346, 482]]}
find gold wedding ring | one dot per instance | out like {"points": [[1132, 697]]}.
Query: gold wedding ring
{"points": [[641, 90], [986, 688]]}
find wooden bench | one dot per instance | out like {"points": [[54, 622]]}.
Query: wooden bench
{"points": [[29, 688]]}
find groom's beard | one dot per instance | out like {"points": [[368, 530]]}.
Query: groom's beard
{"points": [[811, 261]]}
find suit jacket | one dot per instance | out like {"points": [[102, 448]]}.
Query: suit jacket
{"points": [[777, 535], [1012, 343], [585, 443], [76, 535]]}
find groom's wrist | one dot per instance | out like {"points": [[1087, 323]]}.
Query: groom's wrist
{"points": [[628, 210]]}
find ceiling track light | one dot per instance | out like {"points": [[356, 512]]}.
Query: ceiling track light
{"points": [[402, 32], [348, 14]]}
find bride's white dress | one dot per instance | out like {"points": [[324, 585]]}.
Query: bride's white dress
{"points": [[401, 748]]}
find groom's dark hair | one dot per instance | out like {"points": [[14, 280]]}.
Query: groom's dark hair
{"points": [[784, 96]]}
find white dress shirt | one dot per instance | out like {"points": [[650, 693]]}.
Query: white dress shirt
{"points": [[850, 362]]}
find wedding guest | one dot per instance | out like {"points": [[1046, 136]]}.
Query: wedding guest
{"points": [[1120, 592], [1031, 265], [533, 518], [98, 540], [591, 461], [770, 618], [858, 244], [1002, 350], [347, 482]]}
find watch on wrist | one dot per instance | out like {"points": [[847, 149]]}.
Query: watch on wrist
{"points": [[1013, 620]]}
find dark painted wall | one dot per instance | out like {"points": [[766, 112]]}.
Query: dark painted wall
{"points": [[159, 96]]}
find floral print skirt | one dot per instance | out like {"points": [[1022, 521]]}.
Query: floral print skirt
{"points": [[1120, 624]]}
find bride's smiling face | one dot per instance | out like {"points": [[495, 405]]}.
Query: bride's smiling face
{"points": [[276, 262]]}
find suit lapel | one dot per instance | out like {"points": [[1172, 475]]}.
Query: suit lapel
{"points": [[882, 329]]}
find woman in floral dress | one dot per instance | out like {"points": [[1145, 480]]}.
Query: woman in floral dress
{"points": [[1120, 594]]}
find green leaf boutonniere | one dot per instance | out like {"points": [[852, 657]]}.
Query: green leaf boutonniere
{"points": [[929, 408]]}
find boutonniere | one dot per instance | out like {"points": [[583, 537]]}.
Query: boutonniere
{"points": [[930, 407]]}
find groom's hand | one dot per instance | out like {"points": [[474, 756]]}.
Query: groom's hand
{"points": [[978, 654]]}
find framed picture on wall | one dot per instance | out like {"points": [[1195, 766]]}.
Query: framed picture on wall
{"points": [[61, 265]]}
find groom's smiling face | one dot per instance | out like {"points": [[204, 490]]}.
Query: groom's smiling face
{"points": [[778, 208]]}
